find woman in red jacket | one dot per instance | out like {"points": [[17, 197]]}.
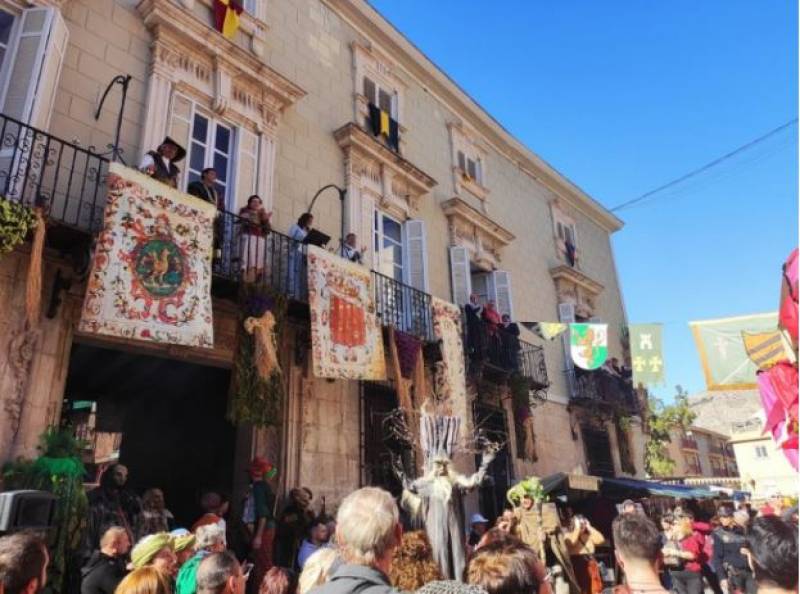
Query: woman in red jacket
{"points": [[683, 555]]}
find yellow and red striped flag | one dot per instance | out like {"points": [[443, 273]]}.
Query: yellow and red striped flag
{"points": [[226, 17]]}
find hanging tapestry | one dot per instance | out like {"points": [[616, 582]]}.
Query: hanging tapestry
{"points": [[346, 339], [588, 345], [722, 350], [151, 273], [646, 357], [447, 328]]}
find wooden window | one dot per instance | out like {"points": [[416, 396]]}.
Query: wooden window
{"points": [[382, 97], [211, 145]]}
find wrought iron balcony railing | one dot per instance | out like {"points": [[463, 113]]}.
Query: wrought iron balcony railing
{"points": [[63, 178], [402, 306], [247, 253], [601, 386], [505, 352], [243, 252]]}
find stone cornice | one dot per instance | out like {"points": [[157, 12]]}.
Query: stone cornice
{"points": [[576, 277], [178, 30], [367, 20], [457, 209], [352, 138]]}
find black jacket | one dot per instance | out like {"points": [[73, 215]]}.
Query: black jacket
{"points": [[102, 574], [727, 551], [199, 189], [167, 175]]}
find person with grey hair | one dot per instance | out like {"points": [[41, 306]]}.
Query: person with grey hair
{"points": [[220, 573], [367, 531], [208, 539]]}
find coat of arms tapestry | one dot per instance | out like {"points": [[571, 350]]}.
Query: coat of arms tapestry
{"points": [[346, 339], [151, 273]]}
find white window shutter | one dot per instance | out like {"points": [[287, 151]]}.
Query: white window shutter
{"points": [[501, 283], [366, 237], [180, 128], [246, 162], [566, 315], [416, 254], [459, 275], [39, 52]]}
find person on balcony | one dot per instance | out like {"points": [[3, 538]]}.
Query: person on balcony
{"points": [[298, 232], [160, 163], [491, 318], [473, 311], [206, 189], [350, 249], [255, 227], [510, 339]]}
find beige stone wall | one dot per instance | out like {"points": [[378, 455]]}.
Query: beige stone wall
{"points": [[106, 38], [310, 44], [37, 385]]}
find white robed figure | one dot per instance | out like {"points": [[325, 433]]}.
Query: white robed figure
{"points": [[436, 497]]}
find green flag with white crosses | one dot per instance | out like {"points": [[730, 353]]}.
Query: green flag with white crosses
{"points": [[646, 354]]}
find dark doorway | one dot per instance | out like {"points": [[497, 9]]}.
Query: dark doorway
{"points": [[598, 451], [380, 442], [491, 422], [169, 417]]}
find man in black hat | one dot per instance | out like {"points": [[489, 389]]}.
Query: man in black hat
{"points": [[730, 561], [160, 163]]}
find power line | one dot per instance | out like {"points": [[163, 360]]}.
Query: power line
{"points": [[707, 166]]}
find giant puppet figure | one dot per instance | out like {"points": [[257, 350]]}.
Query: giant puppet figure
{"points": [[435, 497]]}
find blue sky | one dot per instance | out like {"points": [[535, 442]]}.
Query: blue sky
{"points": [[622, 97]]}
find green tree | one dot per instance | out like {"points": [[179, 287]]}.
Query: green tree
{"points": [[663, 419]]}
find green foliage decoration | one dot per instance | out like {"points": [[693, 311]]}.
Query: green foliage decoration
{"points": [[16, 221], [254, 400], [663, 419]]}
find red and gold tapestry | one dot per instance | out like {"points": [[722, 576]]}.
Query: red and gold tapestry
{"points": [[346, 340], [151, 273], [447, 328]]}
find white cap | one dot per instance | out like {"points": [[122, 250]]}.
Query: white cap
{"points": [[478, 519]]}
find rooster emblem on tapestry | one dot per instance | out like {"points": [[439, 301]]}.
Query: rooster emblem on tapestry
{"points": [[151, 273]]}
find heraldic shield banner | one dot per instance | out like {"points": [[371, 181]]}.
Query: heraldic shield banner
{"points": [[151, 273], [346, 340], [588, 344]]}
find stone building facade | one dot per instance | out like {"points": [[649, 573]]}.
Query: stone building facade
{"points": [[458, 206], [702, 452]]}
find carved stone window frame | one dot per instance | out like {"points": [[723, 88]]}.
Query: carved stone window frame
{"points": [[227, 79], [369, 61], [560, 214], [572, 286], [483, 237], [463, 139], [376, 177]]}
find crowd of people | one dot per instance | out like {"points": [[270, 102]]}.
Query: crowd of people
{"points": [[365, 549], [490, 335]]}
